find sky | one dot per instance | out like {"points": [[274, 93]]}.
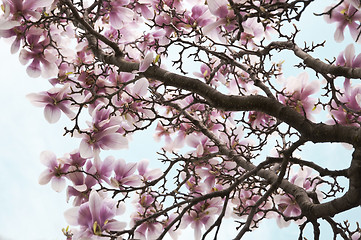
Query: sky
{"points": [[34, 212]]}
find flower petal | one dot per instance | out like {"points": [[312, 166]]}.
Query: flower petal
{"points": [[141, 87], [85, 150], [113, 141], [48, 159], [58, 184], [71, 216], [52, 113], [145, 63], [218, 8], [45, 177]]}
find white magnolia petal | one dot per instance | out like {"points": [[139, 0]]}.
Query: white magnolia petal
{"points": [[45, 177], [141, 87], [48, 158], [58, 184], [5, 25], [115, 225], [71, 216], [51, 113], [80, 188], [85, 150], [24, 57], [145, 63], [114, 141]]}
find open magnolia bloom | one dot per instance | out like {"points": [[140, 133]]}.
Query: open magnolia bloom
{"points": [[95, 217], [218, 83]]}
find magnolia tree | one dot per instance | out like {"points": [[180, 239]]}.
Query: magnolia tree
{"points": [[205, 76]]}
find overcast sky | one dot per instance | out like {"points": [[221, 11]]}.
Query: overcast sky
{"points": [[33, 212]]}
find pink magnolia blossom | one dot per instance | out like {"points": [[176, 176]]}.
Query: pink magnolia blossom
{"points": [[148, 230], [118, 13], [172, 144], [145, 207], [43, 60], [351, 95], [25, 8], [202, 215], [81, 189], [347, 58], [288, 207], [76, 160], [148, 174], [140, 88], [124, 174], [345, 15], [15, 33], [355, 3], [174, 234], [260, 120], [55, 173], [81, 184], [199, 17], [54, 102], [195, 187], [201, 143], [95, 217], [299, 90], [245, 200], [143, 7], [102, 134], [102, 170], [162, 131], [287, 204]]}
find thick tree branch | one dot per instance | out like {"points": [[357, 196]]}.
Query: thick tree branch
{"points": [[309, 131]]}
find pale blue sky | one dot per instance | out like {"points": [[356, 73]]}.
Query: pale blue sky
{"points": [[33, 212]]}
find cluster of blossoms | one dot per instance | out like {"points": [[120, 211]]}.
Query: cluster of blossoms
{"points": [[115, 78]]}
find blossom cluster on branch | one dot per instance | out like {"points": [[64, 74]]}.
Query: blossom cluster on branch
{"points": [[232, 129]]}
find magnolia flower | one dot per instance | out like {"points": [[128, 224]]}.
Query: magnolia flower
{"points": [[102, 134], [351, 95], [81, 189], [299, 90], [260, 120], [345, 15], [201, 143], [124, 174], [55, 173], [202, 214], [16, 33], [18, 9], [145, 207], [101, 169], [144, 8], [288, 207], [199, 17], [145, 173], [54, 102], [347, 58], [95, 217], [355, 3], [42, 60], [118, 14], [287, 204], [245, 200]]}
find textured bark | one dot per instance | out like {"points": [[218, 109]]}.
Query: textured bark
{"points": [[309, 131]]}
